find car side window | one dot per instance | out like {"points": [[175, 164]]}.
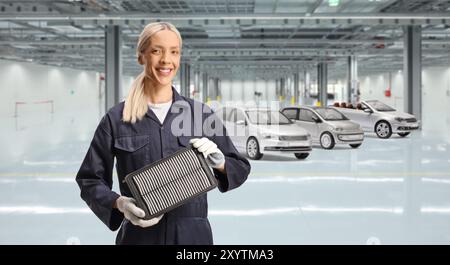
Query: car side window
{"points": [[240, 115], [290, 113], [220, 113], [231, 115], [307, 115], [364, 106]]}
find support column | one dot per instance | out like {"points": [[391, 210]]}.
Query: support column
{"points": [[205, 88], [113, 65], [196, 82], [185, 79], [322, 84], [296, 88], [412, 70], [352, 80], [282, 89], [216, 89], [306, 89], [277, 89]]}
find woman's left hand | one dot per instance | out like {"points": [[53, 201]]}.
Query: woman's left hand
{"points": [[214, 157]]}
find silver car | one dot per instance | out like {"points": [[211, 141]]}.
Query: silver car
{"points": [[259, 131], [327, 126], [375, 116]]}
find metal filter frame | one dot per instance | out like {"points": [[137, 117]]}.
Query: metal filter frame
{"points": [[134, 181]]}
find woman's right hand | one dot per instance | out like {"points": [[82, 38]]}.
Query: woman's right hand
{"points": [[133, 213]]}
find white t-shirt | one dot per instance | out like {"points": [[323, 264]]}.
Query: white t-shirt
{"points": [[160, 109]]}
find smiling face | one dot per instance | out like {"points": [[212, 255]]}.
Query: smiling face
{"points": [[162, 58]]}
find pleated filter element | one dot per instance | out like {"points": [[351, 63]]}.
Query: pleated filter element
{"points": [[170, 182]]}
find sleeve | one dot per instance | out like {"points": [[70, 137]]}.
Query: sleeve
{"points": [[237, 167], [95, 177]]}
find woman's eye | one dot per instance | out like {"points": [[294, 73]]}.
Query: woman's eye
{"points": [[156, 51], [174, 52]]}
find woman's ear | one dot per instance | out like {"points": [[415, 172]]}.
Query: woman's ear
{"points": [[140, 59]]}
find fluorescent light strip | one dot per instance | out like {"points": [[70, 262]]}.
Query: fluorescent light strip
{"points": [[244, 212], [315, 209], [42, 210], [255, 212], [441, 210], [435, 180]]}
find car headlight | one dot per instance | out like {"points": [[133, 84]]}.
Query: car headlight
{"points": [[337, 129], [399, 119]]}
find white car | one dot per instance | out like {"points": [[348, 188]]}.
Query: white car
{"points": [[327, 126], [259, 131], [375, 116]]}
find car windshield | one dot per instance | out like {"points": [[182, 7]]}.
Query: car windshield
{"points": [[330, 114], [268, 117], [380, 106]]}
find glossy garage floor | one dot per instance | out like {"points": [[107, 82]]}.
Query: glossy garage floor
{"points": [[393, 191]]}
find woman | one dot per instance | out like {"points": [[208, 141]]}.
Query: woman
{"points": [[146, 128]]}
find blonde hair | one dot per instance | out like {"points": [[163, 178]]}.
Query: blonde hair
{"points": [[136, 101]]}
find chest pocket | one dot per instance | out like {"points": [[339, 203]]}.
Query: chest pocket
{"points": [[131, 153], [131, 144]]}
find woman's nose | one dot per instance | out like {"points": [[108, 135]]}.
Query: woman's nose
{"points": [[165, 58]]}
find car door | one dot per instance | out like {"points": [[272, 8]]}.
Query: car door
{"points": [[241, 125], [229, 120], [365, 119], [291, 113], [306, 121]]}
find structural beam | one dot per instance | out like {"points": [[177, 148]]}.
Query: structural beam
{"points": [[185, 79], [217, 95], [113, 66], [352, 79], [296, 88], [322, 83], [205, 95], [236, 19], [412, 70]]}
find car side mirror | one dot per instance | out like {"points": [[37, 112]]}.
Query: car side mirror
{"points": [[241, 122], [368, 110], [316, 120]]}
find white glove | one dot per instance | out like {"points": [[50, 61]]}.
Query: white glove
{"points": [[135, 214], [214, 157]]}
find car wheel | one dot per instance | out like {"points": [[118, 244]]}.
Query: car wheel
{"points": [[404, 134], [253, 149], [355, 145], [301, 155], [327, 140], [383, 129]]}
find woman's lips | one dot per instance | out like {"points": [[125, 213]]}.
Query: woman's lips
{"points": [[164, 71]]}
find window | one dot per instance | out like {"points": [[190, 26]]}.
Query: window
{"points": [[267, 117], [330, 114], [290, 113], [231, 115], [307, 115], [379, 105], [240, 116]]}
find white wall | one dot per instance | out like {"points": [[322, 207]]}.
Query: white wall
{"points": [[374, 87], [77, 108], [435, 95], [242, 91], [436, 100], [69, 89]]}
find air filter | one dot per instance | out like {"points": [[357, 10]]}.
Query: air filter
{"points": [[170, 182]]}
